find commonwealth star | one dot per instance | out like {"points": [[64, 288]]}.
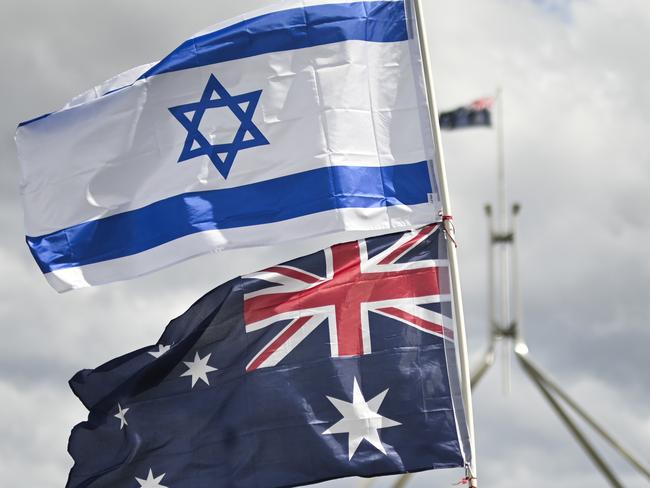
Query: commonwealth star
{"points": [[151, 481], [361, 420]]}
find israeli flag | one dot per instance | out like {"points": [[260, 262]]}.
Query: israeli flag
{"points": [[303, 119]]}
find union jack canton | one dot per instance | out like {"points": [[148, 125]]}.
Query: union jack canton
{"points": [[391, 281]]}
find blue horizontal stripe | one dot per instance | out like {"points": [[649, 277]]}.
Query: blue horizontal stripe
{"points": [[290, 29], [35, 119], [284, 31], [275, 200]]}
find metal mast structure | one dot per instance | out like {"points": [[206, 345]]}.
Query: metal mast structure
{"points": [[505, 327], [505, 315]]}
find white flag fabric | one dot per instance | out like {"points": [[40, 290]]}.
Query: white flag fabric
{"points": [[304, 119]]}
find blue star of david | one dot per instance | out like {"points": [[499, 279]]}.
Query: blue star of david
{"points": [[222, 155]]}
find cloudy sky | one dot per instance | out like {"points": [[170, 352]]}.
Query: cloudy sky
{"points": [[577, 119]]}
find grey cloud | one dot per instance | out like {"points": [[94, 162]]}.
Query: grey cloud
{"points": [[577, 118]]}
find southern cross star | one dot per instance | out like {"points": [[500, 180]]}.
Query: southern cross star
{"points": [[198, 369], [121, 414], [151, 481], [197, 144], [360, 420], [162, 349]]}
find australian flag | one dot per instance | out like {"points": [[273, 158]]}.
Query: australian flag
{"points": [[335, 364], [476, 114]]}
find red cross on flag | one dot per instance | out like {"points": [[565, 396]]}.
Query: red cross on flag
{"points": [[388, 282]]}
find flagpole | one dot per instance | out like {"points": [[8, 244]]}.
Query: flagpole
{"points": [[451, 247], [502, 229]]}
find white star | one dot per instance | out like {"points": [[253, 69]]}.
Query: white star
{"points": [[161, 350], [198, 369], [360, 420], [121, 414], [151, 482]]}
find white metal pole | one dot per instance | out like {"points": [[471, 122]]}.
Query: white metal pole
{"points": [[493, 325], [451, 248], [589, 449], [502, 213], [551, 385], [503, 246], [402, 480], [520, 343], [487, 360]]}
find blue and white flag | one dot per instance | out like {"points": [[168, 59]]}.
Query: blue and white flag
{"points": [[306, 118], [335, 364]]}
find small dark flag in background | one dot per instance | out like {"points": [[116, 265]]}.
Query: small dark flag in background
{"points": [[476, 114]]}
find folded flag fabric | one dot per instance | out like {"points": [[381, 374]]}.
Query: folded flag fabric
{"points": [[476, 114], [305, 118], [335, 364]]}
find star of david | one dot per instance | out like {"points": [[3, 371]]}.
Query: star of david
{"points": [[197, 144]]}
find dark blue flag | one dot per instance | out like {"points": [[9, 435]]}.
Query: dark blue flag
{"points": [[476, 114], [335, 364]]}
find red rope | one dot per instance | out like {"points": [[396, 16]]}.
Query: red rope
{"points": [[448, 226], [466, 480]]}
